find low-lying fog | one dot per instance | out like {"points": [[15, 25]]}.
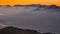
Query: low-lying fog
{"points": [[43, 20]]}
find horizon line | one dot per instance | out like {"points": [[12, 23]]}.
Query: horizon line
{"points": [[26, 4]]}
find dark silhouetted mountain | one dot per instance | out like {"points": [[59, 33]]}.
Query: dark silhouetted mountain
{"points": [[0, 6], [8, 6], [38, 6], [14, 30], [16, 5], [34, 5], [54, 6], [19, 5]]}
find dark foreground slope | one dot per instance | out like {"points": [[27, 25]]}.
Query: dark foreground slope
{"points": [[14, 30]]}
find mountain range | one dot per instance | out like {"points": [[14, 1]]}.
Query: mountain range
{"points": [[37, 6], [32, 5]]}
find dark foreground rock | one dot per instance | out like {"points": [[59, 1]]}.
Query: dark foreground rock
{"points": [[14, 30]]}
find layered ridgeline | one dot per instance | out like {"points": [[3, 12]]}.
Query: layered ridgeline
{"points": [[14, 30], [36, 6], [32, 5]]}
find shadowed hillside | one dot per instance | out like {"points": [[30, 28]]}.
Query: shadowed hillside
{"points": [[14, 30]]}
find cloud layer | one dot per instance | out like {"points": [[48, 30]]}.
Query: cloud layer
{"points": [[43, 20]]}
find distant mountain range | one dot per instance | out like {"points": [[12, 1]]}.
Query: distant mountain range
{"points": [[36, 6], [32, 5]]}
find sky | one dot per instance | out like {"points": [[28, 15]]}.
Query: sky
{"points": [[24, 2]]}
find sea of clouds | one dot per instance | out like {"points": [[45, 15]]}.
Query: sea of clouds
{"points": [[43, 20]]}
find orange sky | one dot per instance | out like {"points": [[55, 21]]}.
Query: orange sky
{"points": [[46, 2]]}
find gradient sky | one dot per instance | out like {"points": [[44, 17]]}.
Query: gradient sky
{"points": [[24, 2]]}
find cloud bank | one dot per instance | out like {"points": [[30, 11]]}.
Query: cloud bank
{"points": [[43, 20]]}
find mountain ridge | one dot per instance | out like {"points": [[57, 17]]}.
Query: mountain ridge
{"points": [[35, 5]]}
